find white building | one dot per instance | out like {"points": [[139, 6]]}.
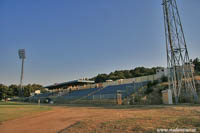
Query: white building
{"points": [[37, 91], [162, 72]]}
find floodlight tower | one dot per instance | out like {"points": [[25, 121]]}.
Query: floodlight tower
{"points": [[181, 79], [22, 56]]}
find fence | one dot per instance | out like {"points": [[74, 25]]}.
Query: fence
{"points": [[104, 96]]}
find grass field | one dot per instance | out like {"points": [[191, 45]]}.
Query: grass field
{"points": [[98, 119], [13, 110], [144, 119]]}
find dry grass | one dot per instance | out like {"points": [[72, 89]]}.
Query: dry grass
{"points": [[12, 110], [107, 119], [138, 120]]}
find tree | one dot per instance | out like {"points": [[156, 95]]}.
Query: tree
{"points": [[101, 78], [112, 76], [196, 63], [30, 88], [127, 74], [164, 79], [3, 91], [15, 89], [123, 74], [148, 90]]}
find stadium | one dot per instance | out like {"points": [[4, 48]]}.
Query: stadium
{"points": [[68, 40], [110, 92]]}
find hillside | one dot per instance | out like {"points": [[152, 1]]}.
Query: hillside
{"points": [[124, 74], [137, 72]]}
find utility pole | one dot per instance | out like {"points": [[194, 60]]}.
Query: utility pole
{"points": [[181, 78], [22, 56]]}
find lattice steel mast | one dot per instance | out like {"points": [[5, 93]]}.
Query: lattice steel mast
{"points": [[22, 56], [181, 79]]}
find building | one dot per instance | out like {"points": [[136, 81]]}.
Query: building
{"points": [[167, 96], [37, 91], [71, 85], [162, 72]]}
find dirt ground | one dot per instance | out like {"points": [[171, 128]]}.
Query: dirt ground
{"points": [[105, 119]]}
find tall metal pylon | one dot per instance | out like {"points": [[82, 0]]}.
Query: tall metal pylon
{"points": [[22, 56], [181, 78]]}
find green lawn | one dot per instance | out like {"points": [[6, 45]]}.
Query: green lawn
{"points": [[13, 110]]}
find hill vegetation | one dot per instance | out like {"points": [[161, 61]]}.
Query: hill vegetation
{"points": [[137, 72], [124, 74]]}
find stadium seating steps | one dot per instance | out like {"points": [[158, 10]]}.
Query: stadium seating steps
{"points": [[126, 90]]}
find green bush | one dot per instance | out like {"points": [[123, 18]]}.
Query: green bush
{"points": [[164, 79], [148, 91], [154, 98]]}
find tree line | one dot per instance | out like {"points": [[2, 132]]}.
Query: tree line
{"points": [[137, 72], [124, 74], [14, 90]]}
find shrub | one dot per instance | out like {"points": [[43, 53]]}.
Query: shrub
{"points": [[164, 79], [148, 91]]}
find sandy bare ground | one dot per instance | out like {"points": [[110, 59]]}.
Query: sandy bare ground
{"points": [[44, 122], [62, 118]]}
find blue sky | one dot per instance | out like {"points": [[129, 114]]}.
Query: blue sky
{"points": [[71, 39]]}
